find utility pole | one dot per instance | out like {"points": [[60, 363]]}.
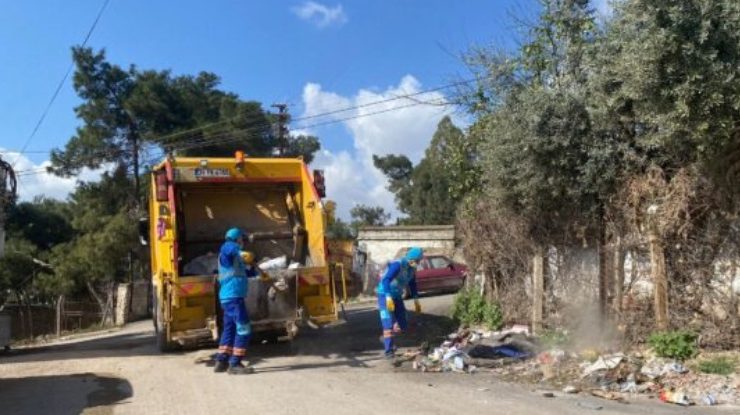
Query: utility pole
{"points": [[282, 128], [8, 193], [137, 185]]}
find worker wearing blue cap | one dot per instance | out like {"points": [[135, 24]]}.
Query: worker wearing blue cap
{"points": [[398, 275], [232, 277]]}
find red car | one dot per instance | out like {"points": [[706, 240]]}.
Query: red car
{"points": [[439, 273]]}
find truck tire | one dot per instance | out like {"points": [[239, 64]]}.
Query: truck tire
{"points": [[159, 332]]}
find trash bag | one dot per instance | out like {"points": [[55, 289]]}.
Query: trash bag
{"points": [[203, 265], [274, 263], [484, 351]]}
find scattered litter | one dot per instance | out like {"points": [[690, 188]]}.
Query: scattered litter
{"points": [[548, 394], [612, 396], [515, 329], [675, 367], [590, 405], [468, 349], [604, 363], [459, 363], [653, 368], [679, 398], [630, 385], [483, 389], [709, 400], [514, 355], [551, 357]]}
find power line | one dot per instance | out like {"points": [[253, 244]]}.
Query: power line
{"points": [[193, 131], [324, 114], [413, 104], [59, 87], [228, 136], [383, 101]]}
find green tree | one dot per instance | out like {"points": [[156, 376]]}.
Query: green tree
{"points": [[398, 169], [363, 215], [98, 256], [669, 73], [17, 270], [336, 228], [43, 222], [125, 109], [430, 191]]}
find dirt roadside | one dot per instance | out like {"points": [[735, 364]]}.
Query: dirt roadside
{"points": [[334, 370]]}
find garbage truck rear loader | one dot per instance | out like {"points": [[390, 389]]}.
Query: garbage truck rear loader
{"points": [[193, 201]]}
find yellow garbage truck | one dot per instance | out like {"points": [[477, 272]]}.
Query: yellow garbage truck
{"points": [[278, 203]]}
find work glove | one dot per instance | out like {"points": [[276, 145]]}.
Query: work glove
{"points": [[247, 257], [417, 306], [389, 304]]}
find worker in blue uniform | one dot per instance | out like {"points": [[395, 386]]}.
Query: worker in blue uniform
{"points": [[233, 272], [398, 275]]}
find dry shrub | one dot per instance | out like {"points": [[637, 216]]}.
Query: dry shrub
{"points": [[495, 243], [698, 227]]}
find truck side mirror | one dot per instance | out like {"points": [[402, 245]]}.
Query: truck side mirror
{"points": [[144, 231]]}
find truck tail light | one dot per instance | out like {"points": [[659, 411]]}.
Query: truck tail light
{"points": [[318, 183], [160, 180]]}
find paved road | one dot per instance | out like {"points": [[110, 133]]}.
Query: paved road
{"points": [[334, 370]]}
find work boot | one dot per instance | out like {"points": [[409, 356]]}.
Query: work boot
{"points": [[240, 369], [221, 366]]}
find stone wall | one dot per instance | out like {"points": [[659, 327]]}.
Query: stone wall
{"points": [[383, 243]]}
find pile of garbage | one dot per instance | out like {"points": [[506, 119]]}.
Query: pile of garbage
{"points": [[668, 380], [515, 355], [467, 350]]}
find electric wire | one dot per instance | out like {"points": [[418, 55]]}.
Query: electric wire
{"points": [[60, 85]]}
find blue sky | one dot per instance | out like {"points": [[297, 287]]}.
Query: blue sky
{"points": [[316, 56]]}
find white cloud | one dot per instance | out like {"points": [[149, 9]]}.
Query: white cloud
{"points": [[33, 180], [394, 127], [320, 15], [604, 8]]}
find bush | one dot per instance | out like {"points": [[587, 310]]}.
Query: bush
{"points": [[677, 344], [470, 308], [717, 366]]}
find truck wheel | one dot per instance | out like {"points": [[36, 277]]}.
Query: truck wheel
{"points": [[159, 331]]}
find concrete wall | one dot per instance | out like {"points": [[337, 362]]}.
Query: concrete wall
{"points": [[382, 243], [132, 302], [140, 300]]}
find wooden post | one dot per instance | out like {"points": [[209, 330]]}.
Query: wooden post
{"points": [[538, 287], [618, 276], [60, 314], [605, 267], [660, 280]]}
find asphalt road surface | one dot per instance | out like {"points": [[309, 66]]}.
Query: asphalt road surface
{"points": [[332, 370]]}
